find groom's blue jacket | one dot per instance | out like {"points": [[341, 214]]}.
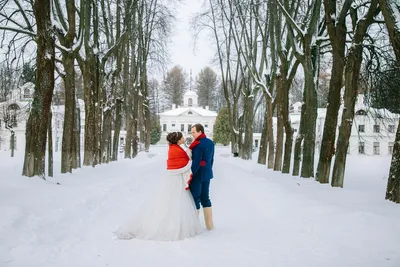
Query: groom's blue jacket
{"points": [[203, 159]]}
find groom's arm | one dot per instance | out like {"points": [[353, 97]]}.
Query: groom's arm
{"points": [[197, 155]]}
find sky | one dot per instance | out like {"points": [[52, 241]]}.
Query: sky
{"points": [[183, 49]]}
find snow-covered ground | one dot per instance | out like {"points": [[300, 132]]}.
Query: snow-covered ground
{"points": [[262, 218]]}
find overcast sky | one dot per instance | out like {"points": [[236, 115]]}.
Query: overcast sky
{"points": [[183, 51]]}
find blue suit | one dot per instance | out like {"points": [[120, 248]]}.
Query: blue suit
{"points": [[200, 183]]}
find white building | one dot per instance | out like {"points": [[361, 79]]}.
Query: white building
{"points": [[373, 131], [15, 112], [182, 118]]}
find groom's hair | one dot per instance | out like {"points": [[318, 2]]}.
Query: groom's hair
{"points": [[199, 127]]}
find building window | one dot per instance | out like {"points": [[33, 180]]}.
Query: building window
{"points": [[189, 128], [182, 127], [205, 125], [190, 102], [361, 128], [27, 93], [190, 113], [14, 121], [173, 125], [377, 128], [164, 127], [376, 148], [391, 144], [256, 143], [391, 129], [57, 142], [361, 148], [361, 112]]}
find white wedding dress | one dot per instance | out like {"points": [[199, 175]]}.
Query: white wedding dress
{"points": [[169, 215]]}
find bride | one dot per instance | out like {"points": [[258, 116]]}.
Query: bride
{"points": [[171, 214]]}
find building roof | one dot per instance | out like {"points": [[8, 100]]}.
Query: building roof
{"points": [[179, 111], [190, 93]]}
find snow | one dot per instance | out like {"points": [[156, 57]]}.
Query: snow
{"points": [[190, 93], [262, 218], [179, 111], [395, 9]]}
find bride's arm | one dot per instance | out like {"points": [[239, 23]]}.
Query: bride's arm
{"points": [[189, 152]]}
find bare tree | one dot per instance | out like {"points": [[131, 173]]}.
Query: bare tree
{"points": [[308, 57], [206, 87], [39, 117], [337, 29], [391, 13], [66, 32], [352, 73], [288, 65]]}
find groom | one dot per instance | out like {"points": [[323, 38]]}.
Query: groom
{"points": [[202, 163]]}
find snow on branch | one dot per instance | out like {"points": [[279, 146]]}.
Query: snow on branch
{"points": [[290, 19]]}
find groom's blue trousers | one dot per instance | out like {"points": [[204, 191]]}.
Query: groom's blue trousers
{"points": [[200, 192]]}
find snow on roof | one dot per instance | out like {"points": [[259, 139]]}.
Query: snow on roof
{"points": [[190, 93], [200, 111]]}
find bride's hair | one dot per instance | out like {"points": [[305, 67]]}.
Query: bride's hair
{"points": [[174, 137]]}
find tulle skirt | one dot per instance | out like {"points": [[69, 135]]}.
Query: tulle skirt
{"points": [[170, 214]]}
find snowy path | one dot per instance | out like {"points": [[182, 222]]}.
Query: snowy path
{"points": [[262, 218]]}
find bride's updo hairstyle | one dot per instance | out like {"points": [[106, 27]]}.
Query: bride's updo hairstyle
{"points": [[174, 137]]}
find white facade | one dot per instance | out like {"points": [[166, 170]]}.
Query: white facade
{"points": [[183, 118], [14, 113], [17, 108], [373, 131]]}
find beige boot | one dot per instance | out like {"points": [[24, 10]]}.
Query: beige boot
{"points": [[208, 218]]}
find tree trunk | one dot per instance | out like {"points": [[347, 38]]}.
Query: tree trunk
{"points": [[90, 70], [89, 149], [352, 73], [128, 83], [146, 108], [69, 115], [147, 126], [337, 34], [37, 124], [106, 136], [279, 129], [117, 129], [262, 154], [310, 113], [270, 133], [98, 107], [393, 186], [288, 130], [77, 140], [12, 142], [247, 148], [298, 145], [50, 144], [331, 120]]}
